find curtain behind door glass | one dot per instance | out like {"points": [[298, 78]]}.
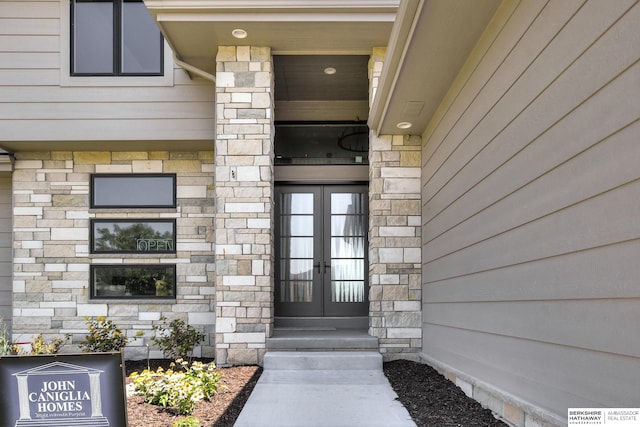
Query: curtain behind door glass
{"points": [[347, 247], [296, 247]]}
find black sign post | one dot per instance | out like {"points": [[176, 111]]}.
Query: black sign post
{"points": [[63, 390]]}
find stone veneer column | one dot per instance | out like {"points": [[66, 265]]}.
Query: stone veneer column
{"points": [[395, 237], [244, 203]]}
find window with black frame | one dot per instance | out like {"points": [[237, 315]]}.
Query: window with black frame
{"points": [[114, 38], [153, 236], [133, 191], [133, 236], [127, 281]]}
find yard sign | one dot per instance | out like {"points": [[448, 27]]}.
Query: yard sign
{"points": [[63, 390]]}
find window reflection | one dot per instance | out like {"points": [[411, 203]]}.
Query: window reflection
{"points": [[133, 236], [141, 48], [134, 281]]}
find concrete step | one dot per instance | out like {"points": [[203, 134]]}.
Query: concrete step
{"points": [[323, 360], [300, 339]]}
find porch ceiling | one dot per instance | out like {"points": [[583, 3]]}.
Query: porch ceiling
{"points": [[428, 41], [315, 34], [195, 28]]}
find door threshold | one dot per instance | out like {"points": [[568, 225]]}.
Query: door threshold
{"points": [[321, 323]]}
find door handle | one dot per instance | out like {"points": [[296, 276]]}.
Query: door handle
{"points": [[326, 265]]}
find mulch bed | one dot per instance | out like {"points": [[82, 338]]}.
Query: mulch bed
{"points": [[431, 399], [223, 410]]}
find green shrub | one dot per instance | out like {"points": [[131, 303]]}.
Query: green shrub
{"points": [[180, 389], [177, 339], [187, 422], [103, 336]]}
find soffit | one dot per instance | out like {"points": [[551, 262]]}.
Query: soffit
{"points": [[427, 42], [195, 28], [430, 42]]}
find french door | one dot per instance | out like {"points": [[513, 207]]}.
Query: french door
{"points": [[321, 250]]}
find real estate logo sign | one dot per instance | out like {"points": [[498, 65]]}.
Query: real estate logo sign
{"points": [[62, 390]]}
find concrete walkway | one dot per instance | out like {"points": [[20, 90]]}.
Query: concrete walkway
{"points": [[332, 389]]}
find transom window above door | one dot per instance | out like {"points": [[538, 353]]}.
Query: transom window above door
{"points": [[114, 38], [315, 143]]}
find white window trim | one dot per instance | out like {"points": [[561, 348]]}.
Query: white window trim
{"points": [[66, 79]]}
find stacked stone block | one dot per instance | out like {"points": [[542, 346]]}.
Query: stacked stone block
{"points": [[51, 245], [395, 238], [244, 202]]}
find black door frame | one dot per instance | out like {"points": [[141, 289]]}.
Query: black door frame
{"points": [[321, 304]]}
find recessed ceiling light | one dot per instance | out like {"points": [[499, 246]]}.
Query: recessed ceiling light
{"points": [[330, 71], [404, 125], [239, 33]]}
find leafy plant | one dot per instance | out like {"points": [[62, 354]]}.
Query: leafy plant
{"points": [[6, 346], [180, 389], [187, 422], [40, 346], [177, 339], [104, 335]]}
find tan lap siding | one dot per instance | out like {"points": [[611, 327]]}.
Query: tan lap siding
{"points": [[39, 100], [530, 209]]}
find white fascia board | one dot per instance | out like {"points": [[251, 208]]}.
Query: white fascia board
{"points": [[254, 5], [399, 42]]}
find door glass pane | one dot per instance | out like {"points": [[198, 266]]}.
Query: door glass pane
{"points": [[347, 225], [296, 247], [141, 41], [347, 203], [93, 38], [347, 247], [298, 225], [347, 269], [296, 269], [296, 291], [296, 203], [347, 291]]}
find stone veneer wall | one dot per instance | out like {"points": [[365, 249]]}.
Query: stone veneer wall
{"points": [[51, 245], [395, 238], [244, 201]]}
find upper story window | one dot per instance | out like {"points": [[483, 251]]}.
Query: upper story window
{"points": [[114, 38]]}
